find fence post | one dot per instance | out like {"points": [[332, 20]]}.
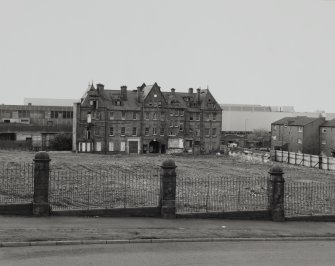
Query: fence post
{"points": [[168, 189], [320, 162], [277, 204], [41, 205]]}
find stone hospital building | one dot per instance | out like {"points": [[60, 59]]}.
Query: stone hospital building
{"points": [[146, 120]]}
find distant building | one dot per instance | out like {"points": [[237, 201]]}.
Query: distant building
{"points": [[327, 138], [297, 134], [146, 120], [33, 127], [241, 118], [49, 102]]}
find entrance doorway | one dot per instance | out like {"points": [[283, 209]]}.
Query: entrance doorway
{"points": [[154, 146], [133, 147], [163, 148]]}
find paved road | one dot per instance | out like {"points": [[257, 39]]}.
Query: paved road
{"points": [[305, 253]]}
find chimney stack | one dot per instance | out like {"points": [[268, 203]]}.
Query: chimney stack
{"points": [[173, 90], [198, 94], [100, 88], [139, 94], [124, 93], [190, 90]]}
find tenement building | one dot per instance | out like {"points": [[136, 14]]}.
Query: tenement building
{"points": [[297, 134], [146, 120], [327, 138]]}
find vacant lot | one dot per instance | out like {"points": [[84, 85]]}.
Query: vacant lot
{"points": [[188, 166], [204, 183]]}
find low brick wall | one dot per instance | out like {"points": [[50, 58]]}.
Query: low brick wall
{"points": [[124, 212], [316, 218], [245, 215], [25, 209]]}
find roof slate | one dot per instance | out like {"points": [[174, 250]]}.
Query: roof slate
{"points": [[330, 123], [132, 104], [296, 121]]}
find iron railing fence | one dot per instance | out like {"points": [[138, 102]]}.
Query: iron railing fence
{"points": [[309, 198], [222, 194], [16, 182], [105, 189]]}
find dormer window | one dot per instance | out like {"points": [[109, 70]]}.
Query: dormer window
{"points": [[94, 104]]}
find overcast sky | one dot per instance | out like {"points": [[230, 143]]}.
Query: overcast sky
{"points": [[269, 52]]}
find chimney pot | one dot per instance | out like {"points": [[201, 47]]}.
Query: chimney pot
{"points": [[173, 90]]}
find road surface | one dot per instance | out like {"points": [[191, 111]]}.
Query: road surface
{"points": [[258, 253]]}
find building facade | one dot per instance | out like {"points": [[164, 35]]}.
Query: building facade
{"points": [[327, 138], [146, 120], [33, 127], [297, 134]]}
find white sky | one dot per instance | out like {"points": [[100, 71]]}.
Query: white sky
{"points": [[269, 52]]}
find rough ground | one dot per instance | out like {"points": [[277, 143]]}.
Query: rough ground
{"points": [[188, 166]]}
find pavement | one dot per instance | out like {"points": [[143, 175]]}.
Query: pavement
{"points": [[30, 231]]}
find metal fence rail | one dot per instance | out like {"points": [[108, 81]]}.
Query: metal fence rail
{"points": [[16, 183], [218, 194], [309, 199], [71, 190], [300, 159]]}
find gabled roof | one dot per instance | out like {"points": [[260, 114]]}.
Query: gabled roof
{"points": [[330, 123], [204, 95], [146, 90], [296, 121], [169, 96], [130, 104]]}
